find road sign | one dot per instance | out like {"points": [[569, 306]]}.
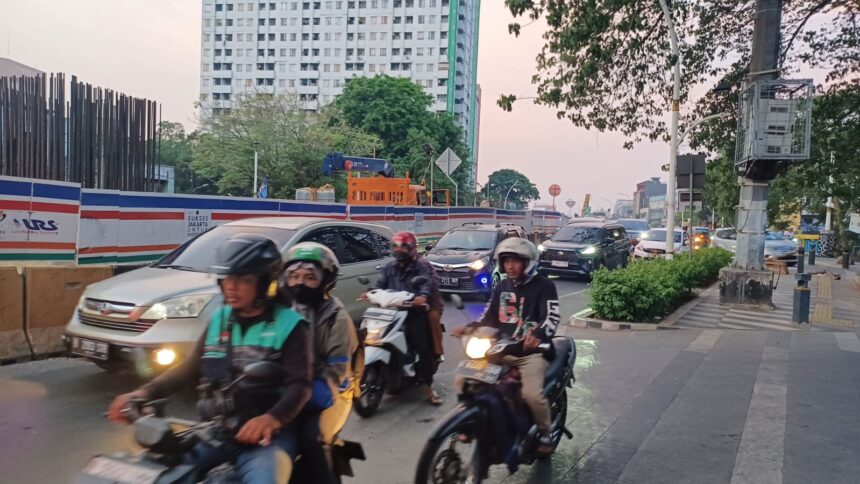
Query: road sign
{"points": [[570, 203], [690, 167], [854, 224], [554, 190], [448, 161]]}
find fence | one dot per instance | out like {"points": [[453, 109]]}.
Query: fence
{"points": [[55, 221]]}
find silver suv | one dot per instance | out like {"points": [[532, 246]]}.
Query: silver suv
{"points": [[160, 311]]}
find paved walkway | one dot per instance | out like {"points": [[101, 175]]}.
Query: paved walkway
{"points": [[835, 304]]}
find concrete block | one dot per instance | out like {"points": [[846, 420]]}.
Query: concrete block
{"points": [[741, 287], [13, 342], [52, 296]]}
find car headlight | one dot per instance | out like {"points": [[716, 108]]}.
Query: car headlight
{"points": [[476, 348], [589, 250], [541, 248], [478, 264], [644, 235], [178, 307]]}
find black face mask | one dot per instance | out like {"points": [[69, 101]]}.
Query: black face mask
{"points": [[303, 294], [402, 256]]}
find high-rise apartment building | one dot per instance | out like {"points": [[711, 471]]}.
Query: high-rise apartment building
{"points": [[312, 48]]}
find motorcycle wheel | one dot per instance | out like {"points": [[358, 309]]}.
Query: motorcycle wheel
{"points": [[442, 460], [372, 391], [558, 413]]}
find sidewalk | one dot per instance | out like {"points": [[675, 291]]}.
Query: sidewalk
{"points": [[835, 303]]}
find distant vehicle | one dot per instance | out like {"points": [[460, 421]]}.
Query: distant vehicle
{"points": [[165, 307], [776, 245], [580, 248], [463, 257], [635, 228], [701, 237], [653, 244]]}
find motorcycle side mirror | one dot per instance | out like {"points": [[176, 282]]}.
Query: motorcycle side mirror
{"points": [[458, 301], [264, 371], [419, 280], [363, 280]]}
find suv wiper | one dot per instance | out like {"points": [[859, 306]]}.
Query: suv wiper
{"points": [[178, 267]]}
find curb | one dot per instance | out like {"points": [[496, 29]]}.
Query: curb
{"points": [[584, 320]]}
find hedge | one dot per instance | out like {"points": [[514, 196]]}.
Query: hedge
{"points": [[649, 289]]}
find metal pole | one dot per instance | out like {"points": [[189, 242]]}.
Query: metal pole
{"points": [[505, 204], [255, 173], [676, 104]]}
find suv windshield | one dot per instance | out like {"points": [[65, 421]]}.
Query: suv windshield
{"points": [[467, 240], [660, 236], [199, 254], [635, 225], [579, 235]]}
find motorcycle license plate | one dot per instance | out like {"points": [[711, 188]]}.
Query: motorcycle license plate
{"points": [[121, 472], [479, 370], [91, 348]]}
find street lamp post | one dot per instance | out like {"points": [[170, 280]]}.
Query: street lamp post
{"points": [[505, 204], [676, 105]]}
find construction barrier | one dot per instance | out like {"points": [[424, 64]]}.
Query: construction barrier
{"points": [[52, 294], [13, 341], [55, 221]]}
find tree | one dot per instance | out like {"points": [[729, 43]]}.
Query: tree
{"points": [[606, 64], [290, 141], [175, 148], [397, 111], [521, 189]]}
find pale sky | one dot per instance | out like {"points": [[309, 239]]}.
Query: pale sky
{"points": [[151, 49]]}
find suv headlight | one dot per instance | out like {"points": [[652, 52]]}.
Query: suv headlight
{"points": [[178, 307], [589, 250], [479, 264]]}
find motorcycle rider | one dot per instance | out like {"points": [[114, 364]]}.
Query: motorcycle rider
{"points": [[524, 307], [310, 274], [248, 328], [422, 328]]}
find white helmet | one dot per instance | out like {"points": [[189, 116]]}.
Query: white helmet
{"points": [[520, 248]]}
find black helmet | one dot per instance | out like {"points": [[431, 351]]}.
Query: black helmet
{"points": [[244, 254]]}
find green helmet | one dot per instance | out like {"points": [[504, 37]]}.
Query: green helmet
{"points": [[319, 255]]}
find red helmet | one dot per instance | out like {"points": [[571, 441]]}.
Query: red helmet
{"points": [[404, 245]]}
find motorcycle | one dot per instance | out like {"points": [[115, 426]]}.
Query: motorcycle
{"points": [[167, 441], [492, 425], [389, 363]]}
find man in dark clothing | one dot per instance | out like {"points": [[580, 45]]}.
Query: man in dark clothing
{"points": [[249, 328], [524, 307], [397, 276]]}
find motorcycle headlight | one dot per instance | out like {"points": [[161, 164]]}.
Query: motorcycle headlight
{"points": [[375, 331], [476, 348], [478, 264], [589, 250], [178, 307]]}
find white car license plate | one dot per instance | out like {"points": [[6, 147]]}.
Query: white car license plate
{"points": [[480, 370], [559, 263], [90, 348], [121, 472], [449, 281]]}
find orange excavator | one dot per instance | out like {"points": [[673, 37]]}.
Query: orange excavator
{"points": [[380, 187]]}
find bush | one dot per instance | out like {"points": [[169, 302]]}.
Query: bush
{"points": [[651, 288]]}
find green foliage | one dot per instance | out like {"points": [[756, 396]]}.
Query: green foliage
{"points": [[606, 64], [397, 111], [522, 190], [290, 141], [649, 289], [175, 148]]}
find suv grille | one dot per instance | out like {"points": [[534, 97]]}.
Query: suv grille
{"points": [[111, 315], [563, 255]]}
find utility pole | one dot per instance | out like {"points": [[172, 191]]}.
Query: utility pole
{"points": [[676, 107], [747, 282]]}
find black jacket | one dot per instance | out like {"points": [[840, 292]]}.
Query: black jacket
{"points": [[397, 277], [516, 308]]}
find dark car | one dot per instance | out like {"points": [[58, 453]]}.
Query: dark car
{"points": [[635, 228], [463, 257], [580, 248]]}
